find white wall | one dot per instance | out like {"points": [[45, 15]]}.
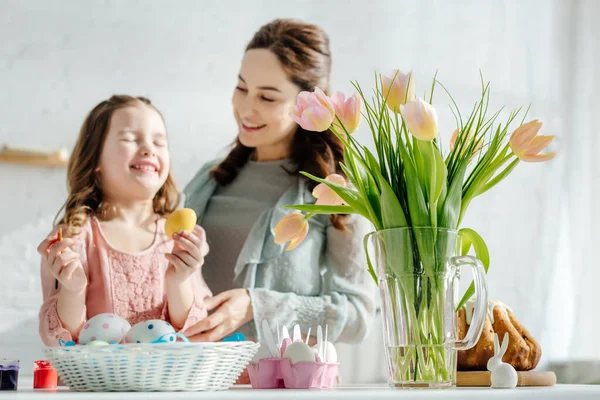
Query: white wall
{"points": [[58, 59]]}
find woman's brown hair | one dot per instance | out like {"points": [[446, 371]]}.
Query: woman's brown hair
{"points": [[83, 184], [303, 51]]}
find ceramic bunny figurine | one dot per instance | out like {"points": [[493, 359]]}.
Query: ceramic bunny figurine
{"points": [[503, 374]]}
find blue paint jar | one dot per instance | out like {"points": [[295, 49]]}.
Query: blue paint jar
{"points": [[9, 374]]}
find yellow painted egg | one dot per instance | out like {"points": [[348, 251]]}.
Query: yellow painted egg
{"points": [[183, 219]]}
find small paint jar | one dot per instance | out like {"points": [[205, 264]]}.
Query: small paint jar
{"points": [[9, 374], [44, 375]]}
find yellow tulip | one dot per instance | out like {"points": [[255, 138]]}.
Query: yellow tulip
{"points": [[527, 144], [399, 89], [291, 228], [421, 119]]}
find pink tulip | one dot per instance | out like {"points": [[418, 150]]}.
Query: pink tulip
{"points": [[313, 111], [421, 119], [347, 110], [399, 90], [527, 144], [325, 195], [291, 228]]}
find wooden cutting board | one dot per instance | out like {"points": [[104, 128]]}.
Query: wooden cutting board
{"points": [[526, 378]]}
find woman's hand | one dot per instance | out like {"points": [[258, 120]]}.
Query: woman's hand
{"points": [[188, 253], [235, 310]]}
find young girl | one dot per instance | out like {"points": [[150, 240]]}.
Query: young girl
{"points": [[115, 256]]}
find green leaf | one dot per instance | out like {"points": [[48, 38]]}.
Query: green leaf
{"points": [[450, 211], [434, 173], [423, 167], [443, 195], [350, 196], [417, 207], [369, 264], [498, 178], [482, 181], [350, 175], [471, 238], [320, 209], [365, 184], [441, 174], [392, 215]]}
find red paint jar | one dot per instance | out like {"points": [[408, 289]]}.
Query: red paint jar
{"points": [[44, 375]]}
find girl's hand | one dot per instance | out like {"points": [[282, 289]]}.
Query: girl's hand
{"points": [[64, 263], [188, 253]]}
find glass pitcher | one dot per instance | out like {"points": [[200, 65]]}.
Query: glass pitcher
{"points": [[418, 270]]}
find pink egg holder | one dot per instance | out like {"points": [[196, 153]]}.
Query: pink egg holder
{"points": [[279, 373]]}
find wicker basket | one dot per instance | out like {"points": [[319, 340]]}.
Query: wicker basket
{"points": [[152, 367]]}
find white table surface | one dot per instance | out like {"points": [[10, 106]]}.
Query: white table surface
{"points": [[570, 392]]}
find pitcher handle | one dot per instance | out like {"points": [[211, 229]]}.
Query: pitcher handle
{"points": [[480, 310]]}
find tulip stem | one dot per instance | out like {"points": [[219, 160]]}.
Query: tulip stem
{"points": [[309, 215]]}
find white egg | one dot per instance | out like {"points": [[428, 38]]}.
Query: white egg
{"points": [[315, 351], [151, 330], [105, 327], [299, 352], [263, 352], [331, 353]]}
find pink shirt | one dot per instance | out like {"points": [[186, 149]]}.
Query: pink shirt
{"points": [[131, 286]]}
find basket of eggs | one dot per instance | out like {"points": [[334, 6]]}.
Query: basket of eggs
{"points": [[150, 356]]}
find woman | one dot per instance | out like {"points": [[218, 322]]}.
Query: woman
{"points": [[240, 199]]}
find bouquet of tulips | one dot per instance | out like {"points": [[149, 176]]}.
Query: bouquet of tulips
{"points": [[409, 180]]}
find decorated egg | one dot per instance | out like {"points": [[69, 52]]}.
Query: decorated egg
{"points": [[299, 352], [105, 327], [97, 343], [150, 331], [183, 219]]}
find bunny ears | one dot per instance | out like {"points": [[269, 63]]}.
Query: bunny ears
{"points": [[500, 350]]}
